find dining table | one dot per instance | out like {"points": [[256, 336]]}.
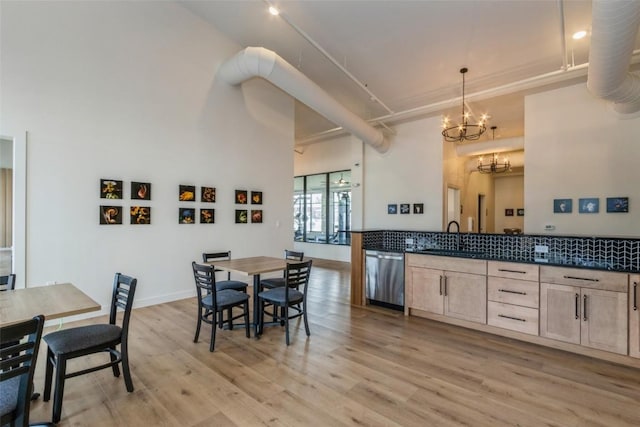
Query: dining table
{"points": [[253, 266], [52, 301]]}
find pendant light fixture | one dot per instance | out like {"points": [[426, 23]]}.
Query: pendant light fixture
{"points": [[464, 131], [494, 166]]}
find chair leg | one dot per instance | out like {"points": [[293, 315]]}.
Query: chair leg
{"points": [[213, 329], [58, 392], [114, 367], [246, 319], [124, 354], [230, 316], [286, 323], [195, 339], [48, 376], [304, 316]]}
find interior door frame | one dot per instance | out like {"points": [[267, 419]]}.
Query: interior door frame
{"points": [[19, 253]]}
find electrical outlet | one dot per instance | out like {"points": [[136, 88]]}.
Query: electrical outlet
{"points": [[51, 282], [549, 227]]}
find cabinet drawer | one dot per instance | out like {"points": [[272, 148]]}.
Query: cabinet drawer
{"points": [[595, 279], [463, 265], [513, 317], [513, 270], [509, 291]]}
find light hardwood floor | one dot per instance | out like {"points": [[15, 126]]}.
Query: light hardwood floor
{"points": [[360, 367]]}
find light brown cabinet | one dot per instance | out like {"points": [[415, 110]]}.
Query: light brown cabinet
{"points": [[455, 288], [634, 316], [584, 307], [513, 296]]}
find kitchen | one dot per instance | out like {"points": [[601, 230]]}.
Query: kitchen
{"points": [[108, 105]]}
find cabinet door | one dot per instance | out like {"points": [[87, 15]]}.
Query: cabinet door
{"points": [[604, 320], [634, 316], [560, 312], [426, 290], [466, 296]]}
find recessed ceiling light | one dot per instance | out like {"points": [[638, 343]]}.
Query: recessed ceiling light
{"points": [[274, 11], [579, 34]]}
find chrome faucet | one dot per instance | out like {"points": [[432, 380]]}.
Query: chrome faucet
{"points": [[458, 245]]}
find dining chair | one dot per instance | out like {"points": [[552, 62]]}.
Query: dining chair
{"points": [[8, 283], [277, 282], [211, 257], [293, 295], [80, 341], [212, 303], [228, 283], [19, 344]]}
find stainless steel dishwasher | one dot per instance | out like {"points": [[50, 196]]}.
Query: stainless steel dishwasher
{"points": [[384, 282]]}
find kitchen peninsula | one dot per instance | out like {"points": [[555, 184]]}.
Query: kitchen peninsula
{"points": [[574, 293]]}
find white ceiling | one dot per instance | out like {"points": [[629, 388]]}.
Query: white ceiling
{"points": [[409, 53]]}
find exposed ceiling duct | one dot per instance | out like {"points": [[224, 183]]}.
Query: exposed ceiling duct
{"points": [[614, 28], [260, 62]]}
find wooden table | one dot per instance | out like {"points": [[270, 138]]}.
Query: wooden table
{"points": [[54, 302], [253, 266]]}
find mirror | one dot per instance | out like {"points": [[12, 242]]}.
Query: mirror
{"points": [[6, 206]]}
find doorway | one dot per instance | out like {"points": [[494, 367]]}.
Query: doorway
{"points": [[482, 209], [453, 204]]}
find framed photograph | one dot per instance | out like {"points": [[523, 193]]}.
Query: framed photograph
{"points": [[241, 197], [508, 212], [392, 209], [186, 216], [520, 212], [207, 194], [589, 205], [110, 189], [256, 197], [141, 191], [562, 205], [617, 204], [405, 208], [418, 208], [241, 216], [256, 216], [140, 214], [207, 216], [187, 193], [110, 215]]}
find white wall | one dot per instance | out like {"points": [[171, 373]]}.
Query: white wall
{"points": [[340, 153], [509, 194], [409, 172], [127, 90], [577, 147]]}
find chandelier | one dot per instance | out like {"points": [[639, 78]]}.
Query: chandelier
{"points": [[464, 131], [494, 166]]}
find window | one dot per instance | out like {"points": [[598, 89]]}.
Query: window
{"points": [[322, 208]]}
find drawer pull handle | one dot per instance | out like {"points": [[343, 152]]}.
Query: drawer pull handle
{"points": [[582, 278], [584, 309], [440, 285], [577, 306], [635, 296], [512, 292], [445, 286], [512, 318], [512, 271]]}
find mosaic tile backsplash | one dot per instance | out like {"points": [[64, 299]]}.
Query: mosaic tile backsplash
{"points": [[591, 252]]}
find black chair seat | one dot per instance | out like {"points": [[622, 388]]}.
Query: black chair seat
{"points": [[275, 282], [225, 298], [9, 395], [231, 284], [277, 296], [82, 338]]}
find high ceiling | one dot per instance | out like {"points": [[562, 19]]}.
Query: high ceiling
{"points": [[408, 53]]}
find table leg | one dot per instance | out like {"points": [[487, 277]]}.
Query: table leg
{"points": [[256, 306]]}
